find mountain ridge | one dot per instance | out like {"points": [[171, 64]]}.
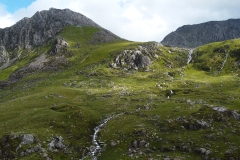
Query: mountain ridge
{"points": [[41, 27], [191, 36]]}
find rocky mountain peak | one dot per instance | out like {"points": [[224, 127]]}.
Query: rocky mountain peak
{"points": [[41, 27], [191, 36]]}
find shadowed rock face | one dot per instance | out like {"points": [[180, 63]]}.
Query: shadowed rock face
{"points": [[41, 27], [191, 36]]}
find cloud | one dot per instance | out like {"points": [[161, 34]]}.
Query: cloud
{"points": [[6, 18], [137, 20]]}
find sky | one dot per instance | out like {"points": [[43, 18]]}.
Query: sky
{"points": [[136, 20]]}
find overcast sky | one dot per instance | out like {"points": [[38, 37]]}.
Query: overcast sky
{"points": [[136, 20]]}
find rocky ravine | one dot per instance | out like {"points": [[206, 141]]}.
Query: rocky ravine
{"points": [[191, 36]]}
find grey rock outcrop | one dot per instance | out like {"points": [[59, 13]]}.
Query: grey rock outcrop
{"points": [[191, 36], [56, 143], [3, 55], [41, 27], [59, 45], [27, 139], [138, 58]]}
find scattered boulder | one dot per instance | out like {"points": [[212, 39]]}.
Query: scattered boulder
{"points": [[27, 139], [56, 143], [235, 115], [202, 124], [219, 108]]}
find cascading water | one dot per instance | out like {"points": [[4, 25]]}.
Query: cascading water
{"points": [[190, 56], [96, 149], [171, 92], [224, 62]]}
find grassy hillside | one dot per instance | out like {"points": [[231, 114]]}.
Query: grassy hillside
{"points": [[160, 106]]}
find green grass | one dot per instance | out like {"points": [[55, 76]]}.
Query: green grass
{"points": [[74, 99]]}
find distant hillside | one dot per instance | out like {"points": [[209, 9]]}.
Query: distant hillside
{"points": [[191, 36]]}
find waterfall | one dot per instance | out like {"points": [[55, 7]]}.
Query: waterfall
{"points": [[96, 149], [171, 92], [224, 62], [190, 56]]}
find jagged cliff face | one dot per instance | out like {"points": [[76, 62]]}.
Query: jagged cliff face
{"points": [[3, 54], [191, 36], [41, 27]]}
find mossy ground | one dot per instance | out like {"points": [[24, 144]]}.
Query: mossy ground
{"points": [[73, 100]]}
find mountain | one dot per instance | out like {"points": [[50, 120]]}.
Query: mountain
{"points": [[42, 26], [85, 93], [191, 36]]}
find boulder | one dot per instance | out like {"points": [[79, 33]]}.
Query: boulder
{"points": [[56, 143], [235, 115], [27, 139]]}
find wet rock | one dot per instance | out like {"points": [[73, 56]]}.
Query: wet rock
{"points": [[92, 148]]}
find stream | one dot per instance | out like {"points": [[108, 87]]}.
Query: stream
{"points": [[190, 56], [96, 149]]}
